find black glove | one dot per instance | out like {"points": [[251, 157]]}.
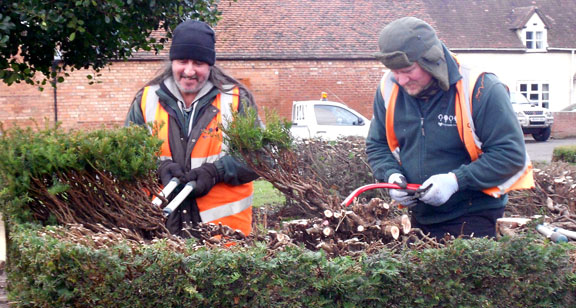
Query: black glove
{"points": [[206, 176], [169, 169]]}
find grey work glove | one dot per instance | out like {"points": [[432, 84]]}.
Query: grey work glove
{"points": [[169, 169], [206, 176], [401, 196], [441, 188]]}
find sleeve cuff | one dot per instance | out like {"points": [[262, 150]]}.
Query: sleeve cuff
{"points": [[461, 179], [220, 169]]}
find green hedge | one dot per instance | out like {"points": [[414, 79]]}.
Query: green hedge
{"points": [[56, 157], [47, 269], [521, 272], [565, 153]]}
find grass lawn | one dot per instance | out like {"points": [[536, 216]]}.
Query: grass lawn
{"points": [[265, 193]]}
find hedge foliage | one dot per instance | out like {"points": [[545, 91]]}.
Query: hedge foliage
{"points": [[519, 272], [565, 153], [48, 155], [47, 268], [127, 153]]}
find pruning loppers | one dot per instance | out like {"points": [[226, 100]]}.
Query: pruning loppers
{"points": [[174, 182], [413, 189]]}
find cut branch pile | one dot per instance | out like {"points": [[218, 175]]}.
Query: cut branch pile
{"points": [[284, 169], [553, 197], [346, 231], [104, 237], [367, 226]]}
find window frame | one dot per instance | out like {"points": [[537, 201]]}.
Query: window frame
{"points": [[536, 91], [536, 41]]}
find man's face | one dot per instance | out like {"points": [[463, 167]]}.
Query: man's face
{"points": [[190, 75], [413, 79]]}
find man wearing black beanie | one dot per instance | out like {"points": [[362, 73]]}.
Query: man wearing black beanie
{"points": [[192, 98]]}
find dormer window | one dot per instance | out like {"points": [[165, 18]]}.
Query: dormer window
{"points": [[534, 34]]}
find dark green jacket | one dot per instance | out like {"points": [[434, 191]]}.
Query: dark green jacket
{"points": [[430, 144]]}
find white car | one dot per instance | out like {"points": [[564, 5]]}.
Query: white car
{"points": [[534, 119], [326, 119]]}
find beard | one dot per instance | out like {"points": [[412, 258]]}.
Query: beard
{"points": [[182, 85]]}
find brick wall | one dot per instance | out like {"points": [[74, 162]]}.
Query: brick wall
{"points": [[275, 85], [564, 125], [80, 105]]}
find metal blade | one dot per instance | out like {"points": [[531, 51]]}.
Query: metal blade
{"points": [[166, 191], [175, 203]]}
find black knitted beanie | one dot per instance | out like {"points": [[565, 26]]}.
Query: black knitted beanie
{"points": [[194, 40]]}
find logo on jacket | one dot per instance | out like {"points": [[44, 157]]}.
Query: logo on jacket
{"points": [[446, 120]]}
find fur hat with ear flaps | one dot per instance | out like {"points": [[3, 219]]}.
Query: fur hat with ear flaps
{"points": [[408, 40]]}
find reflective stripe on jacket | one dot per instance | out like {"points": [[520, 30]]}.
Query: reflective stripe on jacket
{"points": [[523, 179], [226, 204]]}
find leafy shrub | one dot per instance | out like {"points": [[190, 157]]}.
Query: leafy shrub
{"points": [[101, 177], [565, 153]]}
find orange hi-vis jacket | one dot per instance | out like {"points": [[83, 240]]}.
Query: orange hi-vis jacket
{"points": [[524, 179], [226, 204]]}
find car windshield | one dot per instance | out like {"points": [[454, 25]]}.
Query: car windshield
{"points": [[333, 115], [518, 98]]}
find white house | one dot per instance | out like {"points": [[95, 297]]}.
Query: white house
{"points": [[540, 69]]}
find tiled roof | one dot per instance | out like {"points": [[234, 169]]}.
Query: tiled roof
{"points": [[492, 23], [307, 28], [519, 16], [315, 29]]}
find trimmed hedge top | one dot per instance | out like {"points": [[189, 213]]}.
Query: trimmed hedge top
{"points": [[49, 271]]}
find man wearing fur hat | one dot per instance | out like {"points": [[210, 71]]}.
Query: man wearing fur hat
{"points": [[192, 97], [447, 127]]}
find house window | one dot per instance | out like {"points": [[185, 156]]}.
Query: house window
{"points": [[534, 39], [534, 34], [536, 92]]}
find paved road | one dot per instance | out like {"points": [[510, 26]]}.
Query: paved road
{"points": [[542, 151]]}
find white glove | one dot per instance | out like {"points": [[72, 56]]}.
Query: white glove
{"points": [[401, 196], [441, 188]]}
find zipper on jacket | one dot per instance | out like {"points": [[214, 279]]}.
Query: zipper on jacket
{"points": [[422, 126], [422, 146]]}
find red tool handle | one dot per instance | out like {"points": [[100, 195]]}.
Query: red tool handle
{"points": [[364, 188]]}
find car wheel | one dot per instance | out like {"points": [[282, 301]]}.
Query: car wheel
{"points": [[543, 135]]}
